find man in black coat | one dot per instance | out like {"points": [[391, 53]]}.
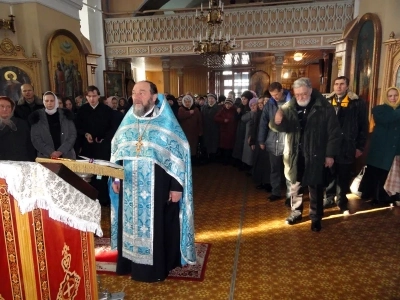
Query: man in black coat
{"points": [[313, 138], [95, 128], [351, 112], [15, 134], [28, 102]]}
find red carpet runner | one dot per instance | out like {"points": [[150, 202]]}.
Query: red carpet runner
{"points": [[106, 261]]}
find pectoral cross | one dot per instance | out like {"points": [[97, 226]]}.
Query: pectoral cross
{"points": [[139, 144]]}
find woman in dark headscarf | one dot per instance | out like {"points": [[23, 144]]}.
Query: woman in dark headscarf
{"points": [[241, 110], [174, 104]]}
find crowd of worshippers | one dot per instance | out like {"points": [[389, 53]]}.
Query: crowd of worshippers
{"points": [[286, 140]]}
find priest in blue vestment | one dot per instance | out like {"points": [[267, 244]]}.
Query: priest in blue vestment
{"points": [[152, 209]]}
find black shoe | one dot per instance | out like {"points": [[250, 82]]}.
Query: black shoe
{"points": [[268, 187], [260, 187], [274, 197], [288, 202], [316, 226], [294, 218]]}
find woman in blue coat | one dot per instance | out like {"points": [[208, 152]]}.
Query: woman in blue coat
{"points": [[385, 144]]}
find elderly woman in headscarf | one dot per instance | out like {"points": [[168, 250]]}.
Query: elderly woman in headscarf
{"points": [[14, 134], [190, 119], [384, 146], [53, 132]]}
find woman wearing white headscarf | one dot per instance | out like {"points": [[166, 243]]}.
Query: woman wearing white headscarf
{"points": [[53, 132], [190, 119]]}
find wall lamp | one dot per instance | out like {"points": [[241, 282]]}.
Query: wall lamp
{"points": [[8, 24]]}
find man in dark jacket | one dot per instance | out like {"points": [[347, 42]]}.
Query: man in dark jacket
{"points": [[313, 139], [95, 128], [351, 112], [273, 141], [28, 102]]}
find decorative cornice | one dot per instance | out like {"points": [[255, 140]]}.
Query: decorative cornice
{"points": [[266, 44], [67, 7]]}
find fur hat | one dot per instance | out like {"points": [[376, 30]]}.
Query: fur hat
{"points": [[253, 101], [247, 94]]}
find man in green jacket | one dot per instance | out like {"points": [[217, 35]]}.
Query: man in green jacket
{"points": [[313, 138]]}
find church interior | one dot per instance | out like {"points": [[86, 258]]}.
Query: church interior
{"points": [[252, 253]]}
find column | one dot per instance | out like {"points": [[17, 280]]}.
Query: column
{"points": [[93, 30], [166, 66], [91, 64], [279, 58], [180, 82]]}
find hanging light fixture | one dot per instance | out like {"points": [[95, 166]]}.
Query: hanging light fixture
{"points": [[215, 44], [298, 56]]}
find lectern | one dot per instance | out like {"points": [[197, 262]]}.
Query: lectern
{"points": [[46, 235]]}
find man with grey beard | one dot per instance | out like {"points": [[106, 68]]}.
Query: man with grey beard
{"points": [[313, 138], [152, 209]]}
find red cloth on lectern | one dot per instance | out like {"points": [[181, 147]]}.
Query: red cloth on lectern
{"points": [[63, 257]]}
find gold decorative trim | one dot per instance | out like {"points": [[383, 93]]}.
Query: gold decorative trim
{"points": [[14, 55], [70, 285], [392, 62], [86, 264], [373, 83], [7, 48], [41, 254], [9, 238]]}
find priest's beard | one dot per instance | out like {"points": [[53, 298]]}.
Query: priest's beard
{"points": [[140, 110], [303, 103]]}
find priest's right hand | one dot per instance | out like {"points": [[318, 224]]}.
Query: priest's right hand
{"points": [[116, 185], [278, 117], [89, 137]]}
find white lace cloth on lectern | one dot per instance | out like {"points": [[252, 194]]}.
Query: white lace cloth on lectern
{"points": [[34, 186]]}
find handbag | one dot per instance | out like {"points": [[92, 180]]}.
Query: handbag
{"points": [[355, 185]]}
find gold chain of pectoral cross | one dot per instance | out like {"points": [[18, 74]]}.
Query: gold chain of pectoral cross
{"points": [[139, 143]]}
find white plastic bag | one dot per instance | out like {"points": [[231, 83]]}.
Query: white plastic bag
{"points": [[356, 182]]}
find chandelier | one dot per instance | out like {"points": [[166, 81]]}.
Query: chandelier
{"points": [[215, 44]]}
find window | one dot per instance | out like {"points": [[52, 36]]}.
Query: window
{"points": [[236, 81]]}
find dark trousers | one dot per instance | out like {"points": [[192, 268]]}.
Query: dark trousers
{"points": [[276, 175], [316, 194], [372, 185], [339, 185]]}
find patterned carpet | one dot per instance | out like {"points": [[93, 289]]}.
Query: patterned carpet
{"points": [[255, 255]]}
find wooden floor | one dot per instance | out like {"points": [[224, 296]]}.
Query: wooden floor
{"points": [[255, 255]]}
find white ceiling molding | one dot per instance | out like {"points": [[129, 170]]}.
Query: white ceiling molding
{"points": [[68, 7]]}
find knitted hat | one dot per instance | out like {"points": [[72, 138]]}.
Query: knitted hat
{"points": [[253, 101], [212, 95], [247, 94], [229, 100]]}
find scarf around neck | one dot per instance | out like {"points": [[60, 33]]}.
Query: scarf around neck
{"points": [[54, 110]]}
